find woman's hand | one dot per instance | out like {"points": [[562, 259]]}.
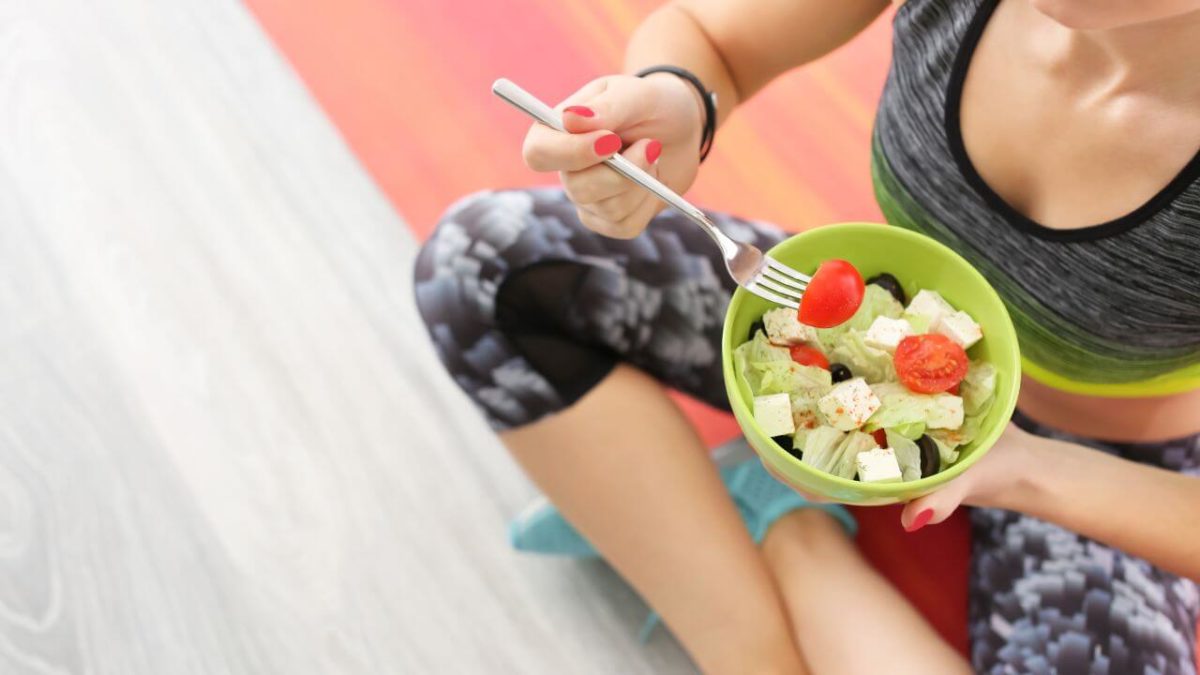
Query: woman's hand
{"points": [[1141, 509], [655, 122], [997, 476], [993, 481], [1138, 508]]}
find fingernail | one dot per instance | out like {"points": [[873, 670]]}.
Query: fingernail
{"points": [[653, 150], [607, 144], [920, 521], [582, 111]]}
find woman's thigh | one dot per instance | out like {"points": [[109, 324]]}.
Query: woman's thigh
{"points": [[1045, 600], [529, 310]]}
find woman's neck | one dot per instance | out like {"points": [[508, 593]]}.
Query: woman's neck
{"points": [[1157, 57]]}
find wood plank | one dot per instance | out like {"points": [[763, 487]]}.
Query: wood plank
{"points": [[225, 445]]}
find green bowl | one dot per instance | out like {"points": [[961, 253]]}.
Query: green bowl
{"points": [[918, 262]]}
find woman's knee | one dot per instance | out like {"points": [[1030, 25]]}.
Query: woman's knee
{"points": [[455, 235], [482, 241], [457, 269], [806, 537]]}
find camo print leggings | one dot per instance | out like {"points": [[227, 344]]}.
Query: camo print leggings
{"points": [[529, 310]]}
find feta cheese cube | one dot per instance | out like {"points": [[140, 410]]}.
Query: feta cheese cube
{"points": [[945, 413], [774, 414], [878, 465], [930, 305], [886, 333], [784, 327], [959, 327], [848, 405]]}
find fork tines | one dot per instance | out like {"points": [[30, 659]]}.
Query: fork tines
{"points": [[779, 283]]}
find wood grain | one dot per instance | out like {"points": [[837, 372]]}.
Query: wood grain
{"points": [[225, 446]]}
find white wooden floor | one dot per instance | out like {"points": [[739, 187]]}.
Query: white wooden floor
{"points": [[225, 446]]}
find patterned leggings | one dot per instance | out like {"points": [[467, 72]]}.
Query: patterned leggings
{"points": [[529, 310]]}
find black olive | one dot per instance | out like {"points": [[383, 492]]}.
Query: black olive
{"points": [[839, 372], [931, 459], [785, 442], [755, 327], [890, 284]]}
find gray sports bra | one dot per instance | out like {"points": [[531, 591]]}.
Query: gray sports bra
{"points": [[1110, 310]]}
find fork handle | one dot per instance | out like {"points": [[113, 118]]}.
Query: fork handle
{"points": [[530, 105]]}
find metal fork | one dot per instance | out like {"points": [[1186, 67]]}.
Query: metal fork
{"points": [[754, 271]]}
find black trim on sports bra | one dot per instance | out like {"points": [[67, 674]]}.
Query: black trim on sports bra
{"points": [[953, 129]]}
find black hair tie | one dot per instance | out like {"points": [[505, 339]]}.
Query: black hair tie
{"points": [[709, 98]]}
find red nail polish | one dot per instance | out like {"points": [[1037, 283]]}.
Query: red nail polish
{"points": [[607, 144], [582, 111], [653, 150], [920, 521]]}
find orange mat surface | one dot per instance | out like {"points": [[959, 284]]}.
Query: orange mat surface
{"points": [[407, 83]]}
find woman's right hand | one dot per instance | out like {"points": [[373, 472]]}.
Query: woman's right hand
{"points": [[656, 122]]}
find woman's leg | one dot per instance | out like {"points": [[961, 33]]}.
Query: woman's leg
{"points": [[1044, 599], [846, 617], [626, 468], [1047, 600], [536, 318]]}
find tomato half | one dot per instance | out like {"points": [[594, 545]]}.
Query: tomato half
{"points": [[880, 437], [931, 363], [809, 356], [833, 295]]}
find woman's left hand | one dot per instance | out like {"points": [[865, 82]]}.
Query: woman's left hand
{"points": [[990, 482]]}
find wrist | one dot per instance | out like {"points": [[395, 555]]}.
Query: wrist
{"points": [[703, 101], [1027, 492], [675, 85]]}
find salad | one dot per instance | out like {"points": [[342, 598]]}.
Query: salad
{"points": [[888, 395]]}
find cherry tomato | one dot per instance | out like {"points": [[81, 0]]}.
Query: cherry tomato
{"points": [[833, 295], [880, 437], [955, 388], [931, 363], [809, 356]]}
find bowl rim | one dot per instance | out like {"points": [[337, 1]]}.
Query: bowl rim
{"points": [[1009, 389]]}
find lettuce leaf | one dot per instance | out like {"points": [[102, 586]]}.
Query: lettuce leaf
{"points": [[805, 411], [769, 369], [908, 455], [863, 360], [876, 302], [854, 443], [919, 323], [946, 451], [967, 433], [786, 377], [912, 431], [757, 351], [978, 387], [821, 446], [901, 408], [799, 439]]}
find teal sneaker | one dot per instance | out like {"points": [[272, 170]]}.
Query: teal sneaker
{"points": [[762, 500], [540, 528]]}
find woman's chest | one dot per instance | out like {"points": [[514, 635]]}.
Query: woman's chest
{"points": [[1059, 138], [1118, 300]]}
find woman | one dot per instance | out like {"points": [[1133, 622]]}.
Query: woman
{"points": [[1053, 143]]}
